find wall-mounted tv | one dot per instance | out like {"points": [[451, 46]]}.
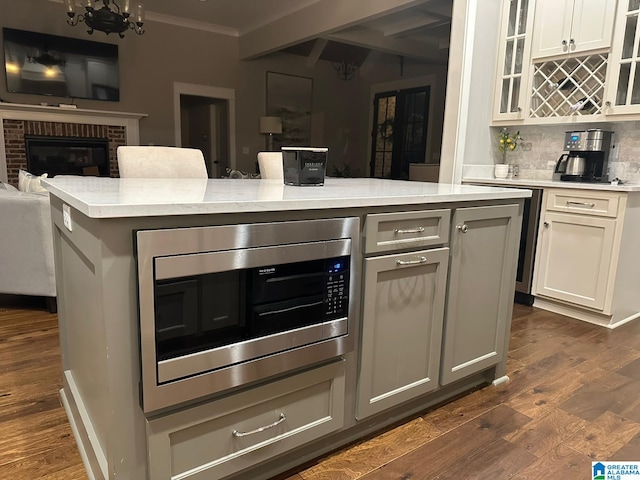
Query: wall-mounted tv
{"points": [[43, 64]]}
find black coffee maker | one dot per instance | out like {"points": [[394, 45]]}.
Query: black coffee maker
{"points": [[588, 157]]}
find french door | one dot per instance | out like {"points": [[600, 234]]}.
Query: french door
{"points": [[399, 135]]}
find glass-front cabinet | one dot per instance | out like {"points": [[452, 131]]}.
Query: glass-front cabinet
{"points": [[623, 84], [513, 60]]}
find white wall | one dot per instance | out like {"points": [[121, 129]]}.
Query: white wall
{"points": [[472, 65]]}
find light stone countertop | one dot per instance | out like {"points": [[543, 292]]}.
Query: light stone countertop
{"points": [[102, 197], [533, 183]]}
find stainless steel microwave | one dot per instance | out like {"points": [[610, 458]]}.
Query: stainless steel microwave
{"points": [[225, 306]]}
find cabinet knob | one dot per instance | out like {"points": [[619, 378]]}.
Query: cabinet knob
{"points": [[572, 41], [607, 103], [564, 43], [463, 228], [519, 109], [546, 224]]}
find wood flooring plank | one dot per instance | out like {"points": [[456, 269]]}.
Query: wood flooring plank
{"points": [[547, 432], [611, 359], [537, 401], [448, 450], [362, 458], [600, 395], [499, 459], [74, 472], [560, 463], [631, 369], [629, 452], [604, 436]]}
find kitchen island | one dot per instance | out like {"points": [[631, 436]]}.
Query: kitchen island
{"points": [[432, 275]]}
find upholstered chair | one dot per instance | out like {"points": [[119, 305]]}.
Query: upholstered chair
{"points": [[160, 162], [270, 164]]}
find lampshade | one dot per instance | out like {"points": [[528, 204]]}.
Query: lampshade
{"points": [[270, 125]]}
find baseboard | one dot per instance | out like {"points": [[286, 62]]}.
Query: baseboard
{"points": [[93, 457], [580, 314]]}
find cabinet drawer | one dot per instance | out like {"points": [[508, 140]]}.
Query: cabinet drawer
{"points": [[232, 434], [391, 231], [584, 202]]}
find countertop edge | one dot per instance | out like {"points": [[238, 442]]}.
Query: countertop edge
{"points": [[94, 207], [533, 183]]}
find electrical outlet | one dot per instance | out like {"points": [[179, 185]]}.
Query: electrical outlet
{"points": [[66, 217]]}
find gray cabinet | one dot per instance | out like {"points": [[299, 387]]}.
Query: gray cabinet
{"points": [[402, 328], [226, 436], [403, 307], [482, 273]]}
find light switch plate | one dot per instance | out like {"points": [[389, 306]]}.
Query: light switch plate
{"points": [[66, 217]]}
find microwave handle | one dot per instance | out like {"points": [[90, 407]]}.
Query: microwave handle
{"points": [[289, 309]]}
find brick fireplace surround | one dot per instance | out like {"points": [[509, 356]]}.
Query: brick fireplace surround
{"points": [[17, 120], [15, 149]]}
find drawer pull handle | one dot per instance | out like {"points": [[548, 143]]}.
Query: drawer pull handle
{"points": [[463, 228], [412, 262], [399, 231], [260, 429], [580, 204]]}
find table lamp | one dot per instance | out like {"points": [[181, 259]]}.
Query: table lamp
{"points": [[269, 126]]}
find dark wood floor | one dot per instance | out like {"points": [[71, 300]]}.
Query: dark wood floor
{"points": [[574, 397]]}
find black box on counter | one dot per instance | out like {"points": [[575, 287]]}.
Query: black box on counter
{"points": [[304, 165]]}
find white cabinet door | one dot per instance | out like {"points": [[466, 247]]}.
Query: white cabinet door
{"points": [[574, 258], [572, 26], [591, 25], [510, 96], [403, 308], [551, 28], [623, 78]]}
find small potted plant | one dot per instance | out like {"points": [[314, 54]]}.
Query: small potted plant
{"points": [[507, 142]]}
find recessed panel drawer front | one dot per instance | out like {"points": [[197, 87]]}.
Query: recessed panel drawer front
{"points": [[232, 434], [584, 202], [393, 231]]}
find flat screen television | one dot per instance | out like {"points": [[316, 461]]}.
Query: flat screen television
{"points": [[42, 64]]}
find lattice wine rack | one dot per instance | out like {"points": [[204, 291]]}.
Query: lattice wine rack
{"points": [[572, 86]]}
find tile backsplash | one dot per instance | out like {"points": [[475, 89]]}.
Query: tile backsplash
{"points": [[546, 142]]}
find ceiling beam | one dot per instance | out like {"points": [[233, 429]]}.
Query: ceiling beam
{"points": [[375, 40], [317, 20], [407, 25], [317, 50]]}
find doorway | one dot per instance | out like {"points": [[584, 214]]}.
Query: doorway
{"points": [[399, 135], [205, 119]]}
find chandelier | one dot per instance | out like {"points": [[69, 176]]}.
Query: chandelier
{"points": [[110, 18], [345, 70]]}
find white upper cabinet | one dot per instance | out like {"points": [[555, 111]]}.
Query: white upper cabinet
{"points": [[623, 82], [513, 60], [571, 26]]}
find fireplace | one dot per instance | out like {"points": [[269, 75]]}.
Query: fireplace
{"points": [[67, 155], [18, 121]]}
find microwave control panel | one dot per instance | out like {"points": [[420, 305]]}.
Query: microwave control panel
{"points": [[337, 287]]}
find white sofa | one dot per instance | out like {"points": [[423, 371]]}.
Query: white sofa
{"points": [[26, 245]]}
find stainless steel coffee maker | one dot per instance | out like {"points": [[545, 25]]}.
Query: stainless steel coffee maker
{"points": [[588, 157]]}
